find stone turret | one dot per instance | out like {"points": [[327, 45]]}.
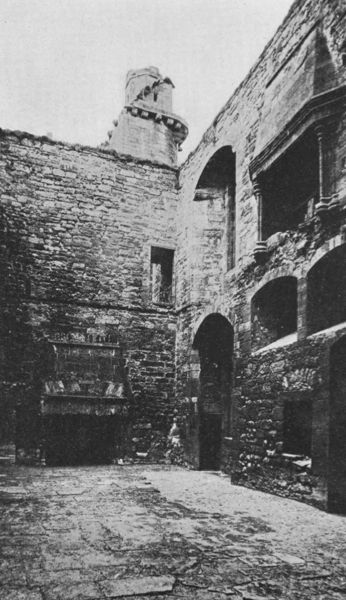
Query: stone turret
{"points": [[147, 128]]}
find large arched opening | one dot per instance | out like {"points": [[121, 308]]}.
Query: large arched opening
{"points": [[326, 300], [216, 187], [337, 429], [214, 342], [274, 311]]}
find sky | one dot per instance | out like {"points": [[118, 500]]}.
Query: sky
{"points": [[63, 62]]}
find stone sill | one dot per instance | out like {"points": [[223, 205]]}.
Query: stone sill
{"points": [[82, 396], [167, 305], [232, 272], [284, 341], [329, 330], [84, 344]]}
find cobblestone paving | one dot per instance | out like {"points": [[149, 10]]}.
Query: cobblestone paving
{"points": [[96, 532]]}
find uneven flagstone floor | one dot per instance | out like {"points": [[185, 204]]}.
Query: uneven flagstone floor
{"points": [[95, 532]]}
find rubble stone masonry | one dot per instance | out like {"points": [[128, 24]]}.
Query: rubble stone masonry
{"points": [[77, 228], [265, 378], [246, 347]]}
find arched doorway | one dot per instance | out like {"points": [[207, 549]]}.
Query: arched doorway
{"points": [[214, 342], [337, 429]]}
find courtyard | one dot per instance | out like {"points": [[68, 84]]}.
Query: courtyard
{"points": [[156, 531]]}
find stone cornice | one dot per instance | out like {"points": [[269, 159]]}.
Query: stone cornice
{"points": [[320, 107], [171, 120]]}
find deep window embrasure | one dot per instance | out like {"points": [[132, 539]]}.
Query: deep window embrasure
{"points": [[161, 274], [326, 301], [274, 311], [290, 187]]}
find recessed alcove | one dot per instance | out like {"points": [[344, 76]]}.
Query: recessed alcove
{"points": [[326, 297], [274, 312]]}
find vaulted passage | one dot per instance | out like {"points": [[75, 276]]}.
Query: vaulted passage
{"points": [[337, 429], [327, 291], [214, 342]]}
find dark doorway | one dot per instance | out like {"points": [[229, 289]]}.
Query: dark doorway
{"points": [[82, 439], [297, 426], [210, 441], [337, 429], [214, 342]]}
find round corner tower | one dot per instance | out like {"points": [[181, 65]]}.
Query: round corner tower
{"points": [[147, 128]]}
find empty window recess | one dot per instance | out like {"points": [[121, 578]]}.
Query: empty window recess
{"points": [[326, 302], [297, 426], [161, 275], [274, 312], [290, 187]]}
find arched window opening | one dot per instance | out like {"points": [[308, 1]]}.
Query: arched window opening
{"points": [[337, 429], [274, 312], [214, 342], [217, 184], [326, 301], [290, 187]]}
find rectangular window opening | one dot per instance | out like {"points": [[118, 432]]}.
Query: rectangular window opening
{"points": [[161, 275], [290, 188], [274, 312], [297, 427]]}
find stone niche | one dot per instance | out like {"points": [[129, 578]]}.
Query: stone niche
{"points": [[84, 404]]}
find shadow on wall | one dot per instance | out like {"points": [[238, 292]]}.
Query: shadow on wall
{"points": [[337, 429], [16, 382]]}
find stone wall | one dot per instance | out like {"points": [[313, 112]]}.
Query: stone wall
{"points": [[145, 138], [252, 445], [77, 226]]}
